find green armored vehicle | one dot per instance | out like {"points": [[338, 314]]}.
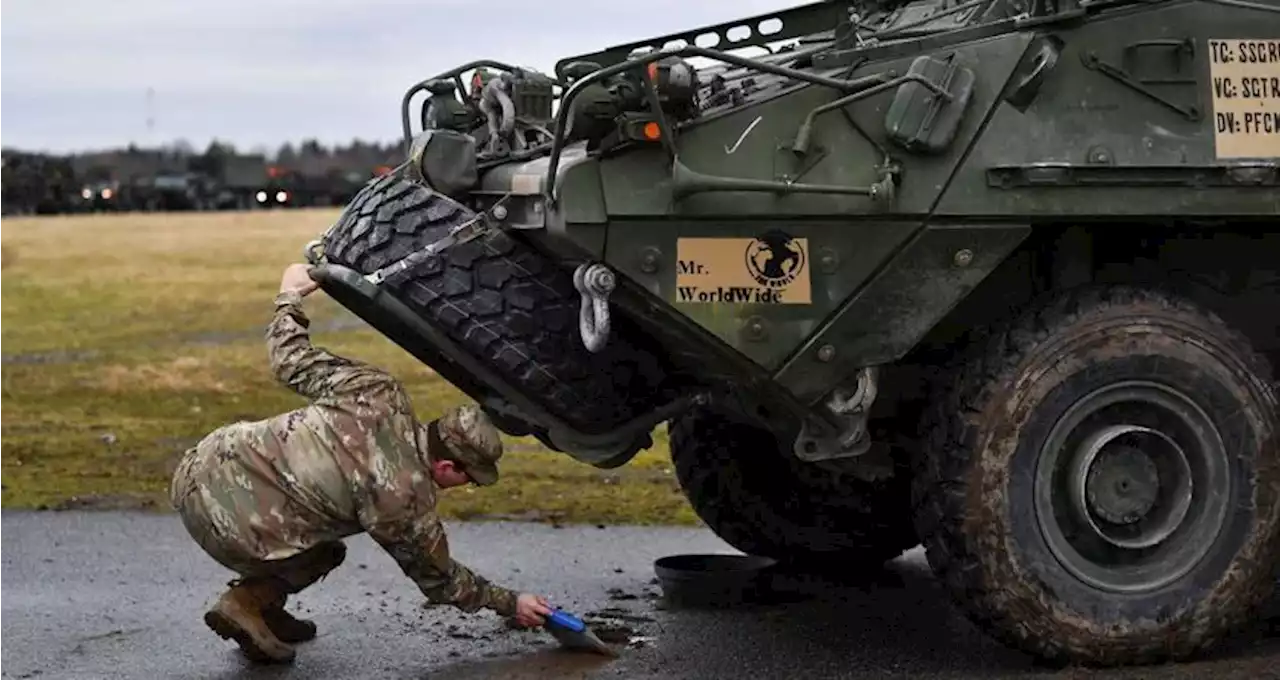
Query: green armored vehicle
{"points": [[998, 277]]}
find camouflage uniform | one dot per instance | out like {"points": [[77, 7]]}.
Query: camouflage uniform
{"points": [[274, 498]]}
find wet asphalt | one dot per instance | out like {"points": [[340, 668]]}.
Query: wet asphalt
{"points": [[120, 595]]}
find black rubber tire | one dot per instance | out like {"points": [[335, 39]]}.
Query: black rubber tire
{"points": [[974, 488], [762, 500], [501, 300]]}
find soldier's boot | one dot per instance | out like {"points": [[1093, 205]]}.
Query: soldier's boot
{"points": [[302, 571], [288, 627], [238, 615]]}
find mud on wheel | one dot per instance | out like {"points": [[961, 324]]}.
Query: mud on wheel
{"points": [[1101, 486], [500, 300]]}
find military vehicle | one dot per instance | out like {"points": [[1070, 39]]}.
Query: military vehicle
{"points": [[997, 277], [241, 180]]}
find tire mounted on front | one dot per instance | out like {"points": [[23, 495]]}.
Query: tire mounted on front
{"points": [[500, 300]]}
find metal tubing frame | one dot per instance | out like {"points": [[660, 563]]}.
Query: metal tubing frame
{"points": [[574, 90], [567, 96], [455, 74]]}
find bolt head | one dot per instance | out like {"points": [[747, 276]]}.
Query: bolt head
{"points": [[603, 279], [754, 329], [964, 257], [649, 263], [826, 353], [500, 212]]}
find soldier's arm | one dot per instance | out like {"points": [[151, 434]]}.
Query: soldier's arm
{"points": [[311, 371], [422, 551], [400, 515]]}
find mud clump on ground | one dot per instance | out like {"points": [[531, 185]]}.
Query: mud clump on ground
{"points": [[620, 594], [614, 614], [613, 633]]}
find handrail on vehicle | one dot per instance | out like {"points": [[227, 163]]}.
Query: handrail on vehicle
{"points": [[455, 74], [567, 97]]}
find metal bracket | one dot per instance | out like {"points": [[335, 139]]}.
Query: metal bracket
{"points": [[1049, 175], [851, 410], [462, 233], [1092, 61], [470, 230], [314, 251], [594, 283]]}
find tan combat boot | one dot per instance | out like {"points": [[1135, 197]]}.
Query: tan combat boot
{"points": [[302, 571], [287, 627], [239, 615]]}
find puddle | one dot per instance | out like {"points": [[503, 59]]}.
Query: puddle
{"points": [[548, 664]]}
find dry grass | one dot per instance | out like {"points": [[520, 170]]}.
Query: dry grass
{"points": [[126, 338]]}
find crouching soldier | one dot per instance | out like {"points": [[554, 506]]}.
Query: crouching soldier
{"points": [[273, 499]]}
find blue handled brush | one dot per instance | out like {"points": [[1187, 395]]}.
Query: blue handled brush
{"points": [[572, 632]]}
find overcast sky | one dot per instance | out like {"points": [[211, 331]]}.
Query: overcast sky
{"points": [[76, 72]]}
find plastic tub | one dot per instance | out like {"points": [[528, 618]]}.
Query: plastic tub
{"points": [[713, 580]]}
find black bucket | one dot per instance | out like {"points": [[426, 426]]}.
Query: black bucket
{"points": [[712, 580]]}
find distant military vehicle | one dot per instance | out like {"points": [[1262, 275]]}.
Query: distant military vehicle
{"points": [[998, 277]]}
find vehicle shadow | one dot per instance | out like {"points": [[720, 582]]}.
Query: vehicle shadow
{"points": [[893, 622]]}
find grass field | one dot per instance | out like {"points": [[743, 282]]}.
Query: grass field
{"points": [[127, 338]]}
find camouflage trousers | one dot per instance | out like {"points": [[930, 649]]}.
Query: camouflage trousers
{"points": [[291, 575]]}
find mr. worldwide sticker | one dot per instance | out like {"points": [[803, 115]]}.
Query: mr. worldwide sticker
{"points": [[772, 268]]}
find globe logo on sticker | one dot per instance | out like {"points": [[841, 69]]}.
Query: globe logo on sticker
{"points": [[775, 260]]}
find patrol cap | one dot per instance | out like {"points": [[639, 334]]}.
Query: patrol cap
{"points": [[468, 437]]}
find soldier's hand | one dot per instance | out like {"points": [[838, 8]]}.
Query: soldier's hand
{"points": [[530, 610], [297, 279]]}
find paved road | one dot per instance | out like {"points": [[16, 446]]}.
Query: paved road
{"points": [[119, 595]]}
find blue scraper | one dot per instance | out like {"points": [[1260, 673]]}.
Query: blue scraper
{"points": [[572, 632]]}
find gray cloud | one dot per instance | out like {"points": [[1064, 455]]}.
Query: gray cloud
{"points": [[76, 73]]}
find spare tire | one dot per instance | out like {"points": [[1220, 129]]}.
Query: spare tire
{"points": [[500, 300]]}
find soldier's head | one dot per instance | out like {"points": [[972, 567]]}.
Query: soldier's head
{"points": [[463, 446]]}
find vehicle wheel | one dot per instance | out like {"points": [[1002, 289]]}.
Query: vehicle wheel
{"points": [[499, 299], [748, 488], [1101, 483]]}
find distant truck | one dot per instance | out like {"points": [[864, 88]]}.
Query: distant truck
{"points": [[242, 183]]}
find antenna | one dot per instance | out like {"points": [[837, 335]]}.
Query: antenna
{"points": [[151, 117]]}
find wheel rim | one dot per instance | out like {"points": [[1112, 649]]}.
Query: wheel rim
{"points": [[1132, 487]]}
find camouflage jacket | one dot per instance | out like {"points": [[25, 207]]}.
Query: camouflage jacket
{"points": [[349, 462]]}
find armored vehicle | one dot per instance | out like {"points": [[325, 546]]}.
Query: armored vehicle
{"points": [[998, 277]]}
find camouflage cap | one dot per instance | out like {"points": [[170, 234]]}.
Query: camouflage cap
{"points": [[469, 437]]}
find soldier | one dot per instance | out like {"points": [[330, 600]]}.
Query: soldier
{"points": [[273, 499]]}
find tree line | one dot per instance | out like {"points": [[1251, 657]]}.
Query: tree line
{"points": [[176, 176]]}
